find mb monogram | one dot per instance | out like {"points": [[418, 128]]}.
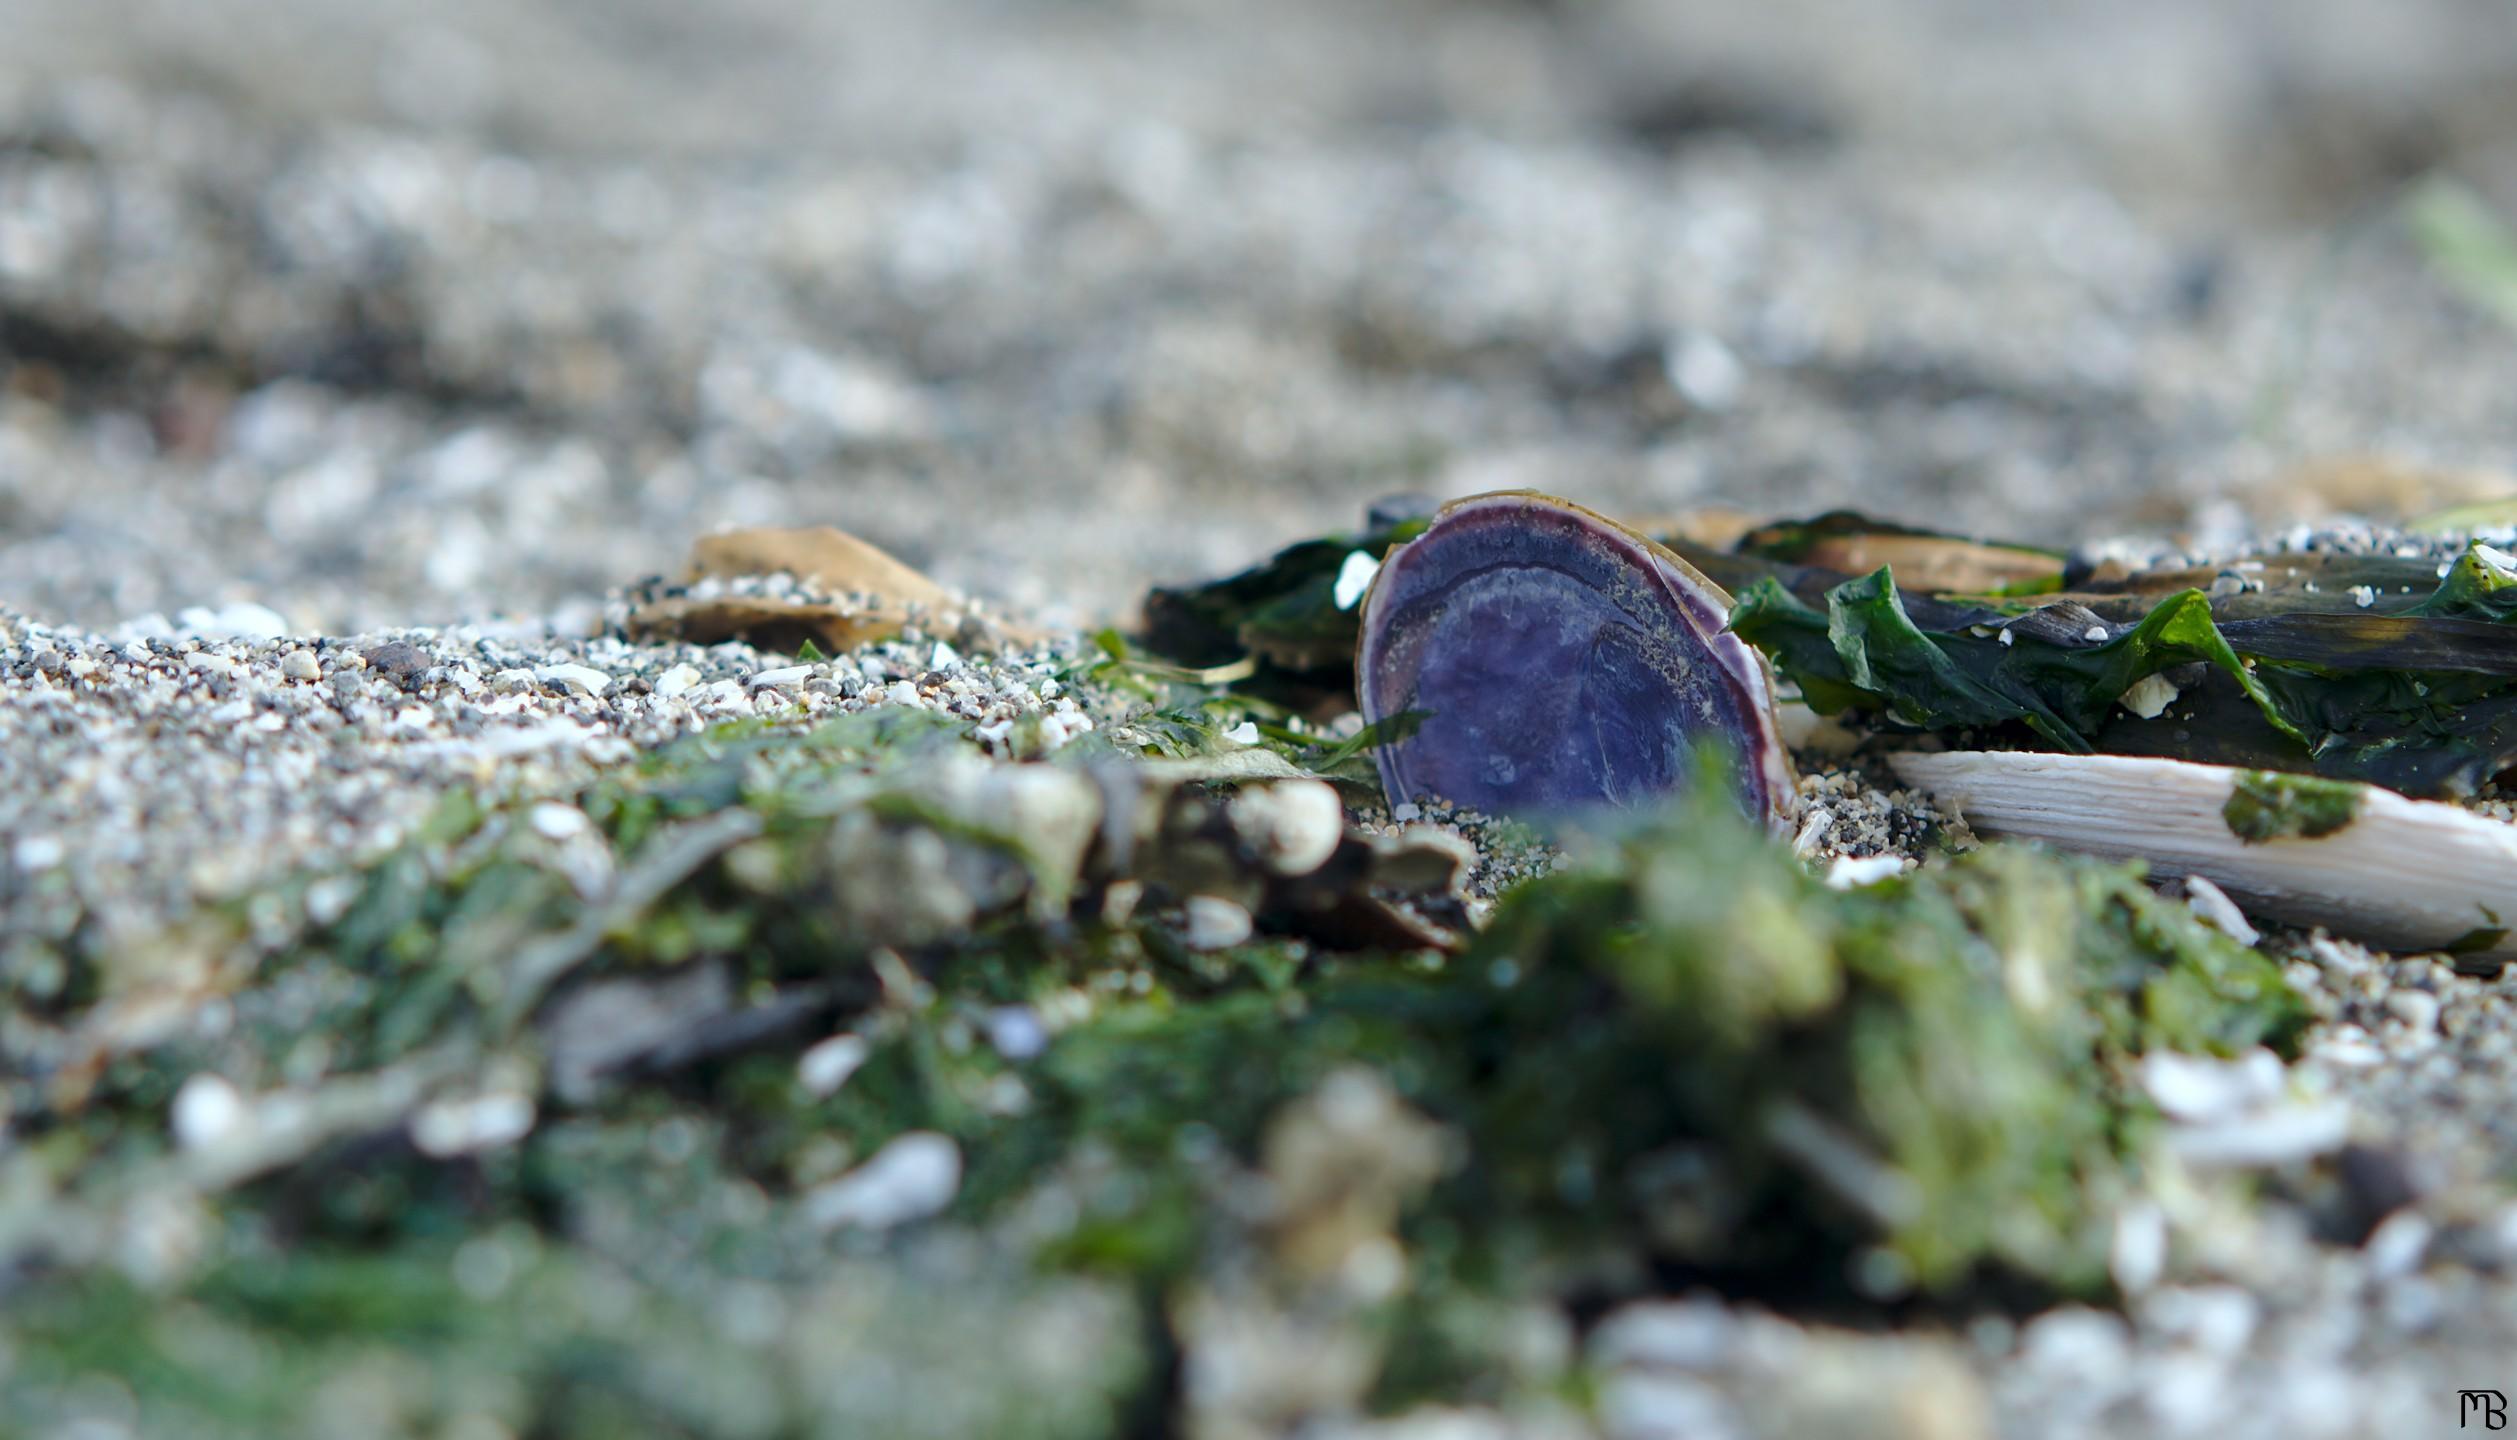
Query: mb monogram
{"points": [[2488, 1406]]}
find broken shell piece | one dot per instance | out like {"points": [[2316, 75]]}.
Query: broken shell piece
{"points": [[2403, 875], [1559, 660], [857, 594], [1925, 562], [2149, 696]]}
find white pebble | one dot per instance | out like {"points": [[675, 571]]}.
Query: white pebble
{"points": [[944, 658], [2416, 1008], [1850, 872], [2218, 1319], [300, 665], [1245, 733], [554, 821], [1406, 811], [901, 692], [2199, 1087], [912, 1178], [2398, 1245], [1293, 826], [206, 1111], [825, 1067], [214, 664], [2075, 1342], [1215, 924], [787, 676], [37, 852], [1692, 1334], [2283, 1135], [2138, 1254], [1649, 1405], [584, 679], [2364, 595], [514, 681], [446, 1128], [676, 680], [2347, 1046], [1016, 1033]]}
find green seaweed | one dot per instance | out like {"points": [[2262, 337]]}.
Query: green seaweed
{"points": [[1679, 1051], [2421, 699], [1865, 648], [2265, 806], [1282, 614]]}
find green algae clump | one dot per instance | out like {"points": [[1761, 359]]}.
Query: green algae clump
{"points": [[2268, 805]]}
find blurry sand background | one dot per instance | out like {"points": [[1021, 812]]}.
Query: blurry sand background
{"points": [[386, 312]]}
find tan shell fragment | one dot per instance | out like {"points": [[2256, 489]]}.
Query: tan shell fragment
{"points": [[2403, 875], [872, 595]]}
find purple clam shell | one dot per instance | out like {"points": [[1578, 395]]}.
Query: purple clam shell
{"points": [[1562, 662]]}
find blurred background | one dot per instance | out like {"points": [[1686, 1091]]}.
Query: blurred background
{"points": [[401, 311]]}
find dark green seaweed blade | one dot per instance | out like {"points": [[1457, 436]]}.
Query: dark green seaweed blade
{"points": [[1283, 614], [1559, 661], [2416, 694]]}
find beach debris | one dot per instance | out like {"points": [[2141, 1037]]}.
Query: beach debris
{"points": [[912, 1178], [2391, 669], [1292, 618], [780, 589], [2366, 863], [1556, 661], [1993, 1079], [1856, 544]]}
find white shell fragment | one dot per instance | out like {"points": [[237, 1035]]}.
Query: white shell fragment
{"points": [[1852, 873], [2149, 696], [2403, 875], [2213, 906], [1354, 578]]}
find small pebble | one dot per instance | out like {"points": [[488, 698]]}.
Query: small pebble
{"points": [[37, 852], [444, 1129], [910, 1179], [2415, 1008], [400, 662], [1215, 924], [207, 1110], [583, 679], [825, 1067]]}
